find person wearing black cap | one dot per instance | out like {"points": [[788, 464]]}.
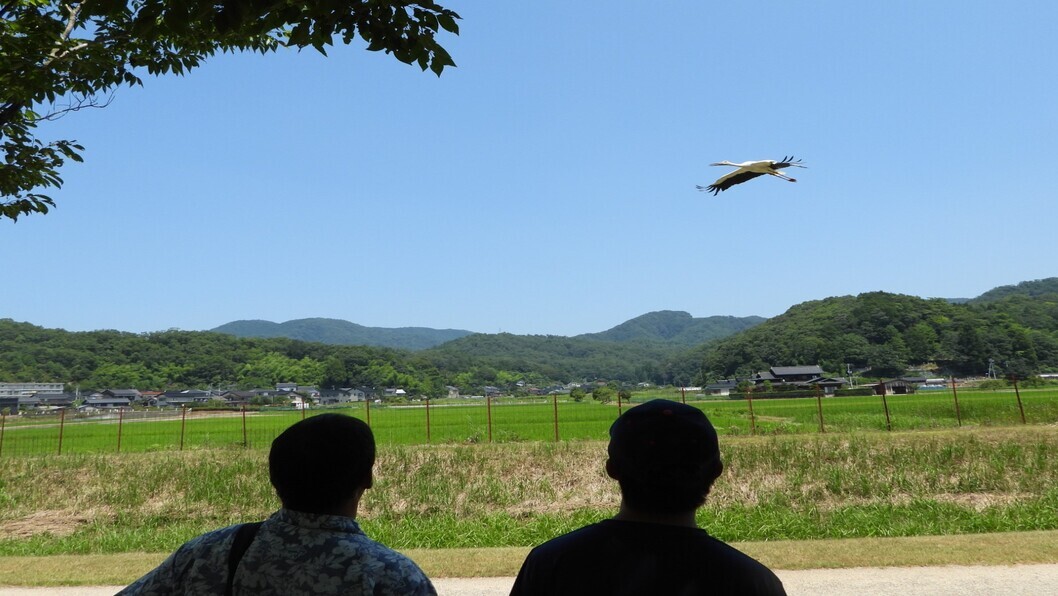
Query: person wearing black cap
{"points": [[665, 456]]}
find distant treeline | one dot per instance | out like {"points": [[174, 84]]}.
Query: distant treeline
{"points": [[1015, 327]]}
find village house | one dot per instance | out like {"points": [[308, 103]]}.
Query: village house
{"points": [[341, 396], [105, 404], [800, 377]]}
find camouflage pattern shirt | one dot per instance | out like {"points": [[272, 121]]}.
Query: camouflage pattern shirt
{"points": [[293, 553]]}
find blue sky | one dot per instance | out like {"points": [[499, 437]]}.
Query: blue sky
{"points": [[546, 185]]}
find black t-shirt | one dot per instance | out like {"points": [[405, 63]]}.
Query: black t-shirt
{"points": [[630, 558]]}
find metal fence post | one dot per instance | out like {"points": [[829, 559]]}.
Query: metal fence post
{"points": [[554, 400], [121, 416], [885, 405], [819, 404], [183, 424], [367, 408], [1018, 394], [3, 423], [427, 421], [752, 418], [62, 424], [955, 396], [488, 415], [245, 443]]}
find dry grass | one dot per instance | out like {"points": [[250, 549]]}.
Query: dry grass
{"points": [[519, 493]]}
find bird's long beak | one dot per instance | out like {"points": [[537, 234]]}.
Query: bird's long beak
{"points": [[716, 164]]}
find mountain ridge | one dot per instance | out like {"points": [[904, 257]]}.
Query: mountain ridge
{"points": [[676, 328]]}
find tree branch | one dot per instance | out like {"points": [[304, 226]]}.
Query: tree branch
{"points": [[57, 52], [79, 104]]}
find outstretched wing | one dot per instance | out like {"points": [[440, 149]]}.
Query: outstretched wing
{"points": [[787, 162], [726, 182]]}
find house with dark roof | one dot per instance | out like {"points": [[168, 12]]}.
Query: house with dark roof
{"points": [[46, 401], [801, 377], [105, 404], [236, 398], [132, 395], [55, 400], [899, 386], [186, 397], [341, 396]]}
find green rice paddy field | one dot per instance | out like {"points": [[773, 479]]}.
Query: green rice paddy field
{"points": [[502, 421]]}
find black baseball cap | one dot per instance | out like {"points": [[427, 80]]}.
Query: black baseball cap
{"points": [[663, 441]]}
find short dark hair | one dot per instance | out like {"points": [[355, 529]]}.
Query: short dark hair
{"points": [[665, 455], [319, 463]]}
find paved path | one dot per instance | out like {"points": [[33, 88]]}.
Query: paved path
{"points": [[1016, 580]]}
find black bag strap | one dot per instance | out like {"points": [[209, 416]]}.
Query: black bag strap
{"points": [[243, 538]]}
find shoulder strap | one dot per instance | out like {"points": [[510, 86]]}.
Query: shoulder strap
{"points": [[244, 536]]}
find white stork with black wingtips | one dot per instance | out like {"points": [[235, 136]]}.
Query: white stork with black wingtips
{"points": [[749, 170]]}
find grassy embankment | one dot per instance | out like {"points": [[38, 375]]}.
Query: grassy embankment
{"points": [[910, 486]]}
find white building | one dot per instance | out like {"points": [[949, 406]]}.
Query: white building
{"points": [[28, 389]]}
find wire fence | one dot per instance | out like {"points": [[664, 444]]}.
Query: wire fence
{"points": [[501, 420]]}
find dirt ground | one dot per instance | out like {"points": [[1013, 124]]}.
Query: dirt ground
{"points": [[1012, 580]]}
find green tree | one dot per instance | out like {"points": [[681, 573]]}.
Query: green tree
{"points": [[59, 56], [604, 394], [577, 394]]}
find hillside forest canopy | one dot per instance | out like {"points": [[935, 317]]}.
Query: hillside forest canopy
{"points": [[878, 333]]}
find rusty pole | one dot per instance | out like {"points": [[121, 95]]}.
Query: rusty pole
{"points": [[885, 405], [752, 418], [819, 404], [121, 416], [427, 421], [554, 400], [183, 424], [955, 396], [1018, 394], [488, 414], [62, 423]]}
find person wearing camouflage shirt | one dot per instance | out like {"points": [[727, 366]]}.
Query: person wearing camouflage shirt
{"points": [[320, 468]]}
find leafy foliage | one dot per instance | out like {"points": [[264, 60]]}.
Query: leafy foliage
{"points": [[66, 55]]}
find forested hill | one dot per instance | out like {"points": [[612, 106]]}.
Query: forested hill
{"points": [[673, 328], [1027, 289], [890, 333], [676, 328], [339, 332], [555, 357]]}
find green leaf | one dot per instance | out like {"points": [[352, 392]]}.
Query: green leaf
{"points": [[448, 23]]}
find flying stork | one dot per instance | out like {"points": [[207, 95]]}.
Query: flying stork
{"points": [[749, 170]]}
